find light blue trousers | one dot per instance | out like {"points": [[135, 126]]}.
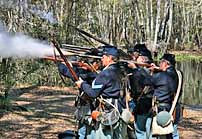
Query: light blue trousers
{"points": [[175, 133], [142, 126], [82, 131]]}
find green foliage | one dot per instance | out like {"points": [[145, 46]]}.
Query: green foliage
{"points": [[187, 57], [7, 75], [37, 72], [26, 72], [4, 103]]}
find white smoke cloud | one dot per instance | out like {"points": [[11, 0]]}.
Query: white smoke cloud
{"points": [[48, 16], [21, 46]]}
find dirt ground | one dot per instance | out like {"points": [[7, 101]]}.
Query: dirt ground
{"points": [[43, 112]]}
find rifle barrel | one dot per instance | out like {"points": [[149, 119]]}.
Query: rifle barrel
{"points": [[74, 51], [53, 59], [76, 46], [88, 56], [89, 35], [137, 63]]}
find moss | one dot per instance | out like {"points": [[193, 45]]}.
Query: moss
{"points": [[185, 57]]}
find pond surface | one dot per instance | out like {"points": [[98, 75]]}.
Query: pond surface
{"points": [[192, 87]]}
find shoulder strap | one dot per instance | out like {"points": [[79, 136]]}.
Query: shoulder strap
{"points": [[179, 73]]}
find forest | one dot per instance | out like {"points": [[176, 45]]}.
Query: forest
{"points": [[34, 100]]}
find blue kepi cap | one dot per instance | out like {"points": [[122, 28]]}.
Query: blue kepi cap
{"points": [[111, 50]]}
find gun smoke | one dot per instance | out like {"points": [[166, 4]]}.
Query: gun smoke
{"points": [[21, 46]]}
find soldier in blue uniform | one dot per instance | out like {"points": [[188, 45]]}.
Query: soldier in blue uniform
{"points": [[167, 64], [139, 91], [83, 107], [107, 85], [164, 83]]}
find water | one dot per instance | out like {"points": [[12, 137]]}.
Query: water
{"points": [[192, 87]]}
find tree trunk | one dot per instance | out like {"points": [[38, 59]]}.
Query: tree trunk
{"points": [[170, 21], [165, 19], [147, 19], [157, 21]]}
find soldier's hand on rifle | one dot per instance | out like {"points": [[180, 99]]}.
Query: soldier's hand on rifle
{"points": [[153, 67], [79, 82], [131, 65]]}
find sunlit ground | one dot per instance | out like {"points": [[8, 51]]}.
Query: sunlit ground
{"points": [[49, 110]]}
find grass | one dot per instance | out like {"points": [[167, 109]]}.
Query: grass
{"points": [[186, 57]]}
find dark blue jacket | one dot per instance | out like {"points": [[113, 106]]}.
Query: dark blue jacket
{"points": [[84, 74], [107, 83], [162, 84], [164, 87], [138, 80], [173, 74]]}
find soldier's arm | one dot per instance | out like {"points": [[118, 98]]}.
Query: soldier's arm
{"points": [[62, 68], [97, 86], [143, 77]]}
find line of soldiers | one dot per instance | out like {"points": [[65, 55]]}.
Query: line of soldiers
{"points": [[108, 98]]}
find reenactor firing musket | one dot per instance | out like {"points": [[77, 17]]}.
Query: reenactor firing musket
{"points": [[77, 53], [87, 66]]}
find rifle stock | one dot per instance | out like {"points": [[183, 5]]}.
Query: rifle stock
{"points": [[73, 73], [77, 63]]}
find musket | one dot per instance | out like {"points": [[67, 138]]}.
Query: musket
{"points": [[88, 56], [89, 35], [74, 51], [73, 73], [136, 63], [77, 63], [53, 59], [98, 57], [77, 47], [66, 53], [81, 50], [157, 69]]}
